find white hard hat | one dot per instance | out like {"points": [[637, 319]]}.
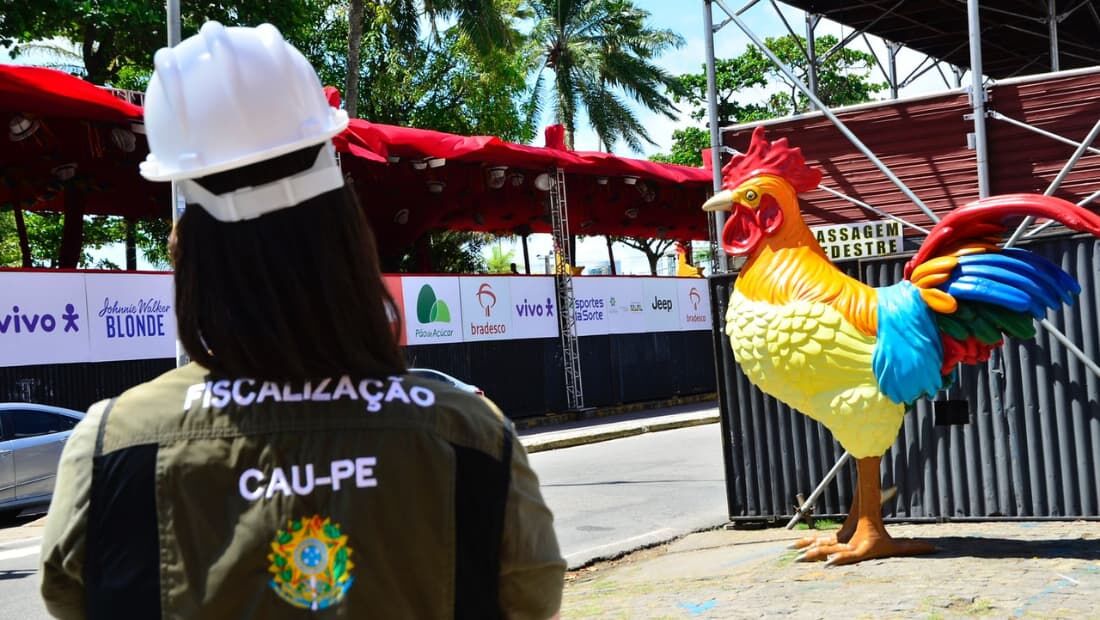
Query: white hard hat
{"points": [[230, 97]]}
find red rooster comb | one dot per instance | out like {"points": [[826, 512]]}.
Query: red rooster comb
{"points": [[774, 158]]}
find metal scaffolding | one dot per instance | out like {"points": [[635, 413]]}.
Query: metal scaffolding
{"points": [[978, 101], [563, 284]]}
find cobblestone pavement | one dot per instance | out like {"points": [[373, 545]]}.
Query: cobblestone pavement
{"points": [[982, 570]]}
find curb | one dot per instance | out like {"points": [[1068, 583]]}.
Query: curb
{"points": [[555, 418], [580, 440]]}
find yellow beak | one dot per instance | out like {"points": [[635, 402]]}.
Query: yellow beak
{"points": [[722, 201]]}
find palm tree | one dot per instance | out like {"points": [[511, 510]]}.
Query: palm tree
{"points": [[481, 21], [599, 51]]}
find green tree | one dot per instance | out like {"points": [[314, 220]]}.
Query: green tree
{"points": [[44, 232], [125, 33], [479, 22], [842, 79], [450, 251], [601, 52], [687, 146], [500, 261], [10, 255], [653, 248]]}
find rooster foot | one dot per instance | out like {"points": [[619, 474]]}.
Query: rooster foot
{"points": [[859, 548], [871, 548]]}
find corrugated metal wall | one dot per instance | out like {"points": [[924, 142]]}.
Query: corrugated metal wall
{"points": [[1031, 447], [924, 141]]}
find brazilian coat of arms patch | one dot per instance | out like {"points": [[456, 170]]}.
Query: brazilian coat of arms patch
{"points": [[311, 563]]}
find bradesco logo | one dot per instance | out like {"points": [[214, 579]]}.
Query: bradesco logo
{"points": [[141, 320], [430, 309], [487, 299], [696, 298], [21, 322]]}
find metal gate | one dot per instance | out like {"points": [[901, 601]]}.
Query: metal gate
{"points": [[1029, 447]]}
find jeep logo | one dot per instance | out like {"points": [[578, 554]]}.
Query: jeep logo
{"points": [[662, 304]]}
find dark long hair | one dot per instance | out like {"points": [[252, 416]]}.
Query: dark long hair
{"points": [[294, 294]]}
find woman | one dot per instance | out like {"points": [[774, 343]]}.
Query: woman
{"points": [[292, 466]]}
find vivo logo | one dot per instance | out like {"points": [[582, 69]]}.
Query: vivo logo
{"points": [[526, 309], [17, 322]]}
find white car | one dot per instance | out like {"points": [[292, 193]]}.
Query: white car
{"points": [[31, 439], [435, 375]]}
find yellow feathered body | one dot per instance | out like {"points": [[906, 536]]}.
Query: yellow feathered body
{"points": [[803, 332]]}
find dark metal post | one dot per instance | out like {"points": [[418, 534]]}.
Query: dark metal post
{"points": [[712, 114], [892, 53], [811, 53], [1052, 26], [977, 96]]}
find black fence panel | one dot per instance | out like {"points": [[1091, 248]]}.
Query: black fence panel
{"points": [[76, 386], [1026, 445], [523, 377], [628, 368]]}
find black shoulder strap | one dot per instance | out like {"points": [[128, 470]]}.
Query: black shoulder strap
{"points": [[482, 484], [103, 427], [122, 548]]}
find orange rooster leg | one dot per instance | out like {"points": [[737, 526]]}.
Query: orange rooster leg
{"points": [[870, 539], [842, 535]]}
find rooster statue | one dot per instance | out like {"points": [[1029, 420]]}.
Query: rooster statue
{"points": [[855, 357]]}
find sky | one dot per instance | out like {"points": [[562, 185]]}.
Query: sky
{"points": [[685, 17]]}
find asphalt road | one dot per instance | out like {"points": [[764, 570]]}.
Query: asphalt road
{"points": [[607, 498], [19, 574], [620, 495]]}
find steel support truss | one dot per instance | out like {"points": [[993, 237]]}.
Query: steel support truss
{"points": [[563, 285], [978, 100]]}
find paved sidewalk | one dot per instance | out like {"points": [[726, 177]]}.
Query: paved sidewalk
{"points": [[605, 428], [990, 570]]}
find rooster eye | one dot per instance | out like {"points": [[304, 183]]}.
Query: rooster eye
{"points": [[750, 195]]}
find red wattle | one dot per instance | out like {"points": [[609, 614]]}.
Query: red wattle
{"points": [[741, 233], [769, 215]]}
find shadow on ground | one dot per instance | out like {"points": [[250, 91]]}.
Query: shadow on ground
{"points": [[1004, 548]]}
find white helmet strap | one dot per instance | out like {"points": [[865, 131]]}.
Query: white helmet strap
{"points": [[249, 203]]}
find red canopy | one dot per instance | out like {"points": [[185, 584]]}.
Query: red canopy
{"points": [[62, 136], [66, 134], [432, 179]]}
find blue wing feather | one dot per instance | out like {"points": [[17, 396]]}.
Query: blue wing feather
{"points": [[908, 352]]}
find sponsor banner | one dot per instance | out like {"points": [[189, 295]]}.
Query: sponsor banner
{"points": [[433, 309], [626, 310], [43, 319], [393, 285], [694, 299], [508, 308], [851, 241], [131, 316], [662, 304], [602, 305], [534, 307], [486, 309]]}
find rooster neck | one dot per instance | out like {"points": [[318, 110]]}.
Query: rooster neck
{"points": [[794, 268]]}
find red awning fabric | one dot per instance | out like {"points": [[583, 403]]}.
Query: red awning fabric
{"points": [[68, 137], [50, 93], [60, 135], [605, 194]]}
